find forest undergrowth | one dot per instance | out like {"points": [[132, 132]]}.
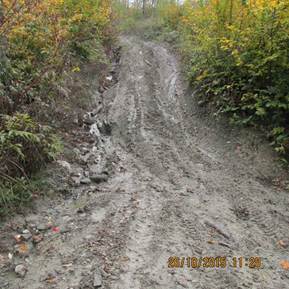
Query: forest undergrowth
{"points": [[42, 44]]}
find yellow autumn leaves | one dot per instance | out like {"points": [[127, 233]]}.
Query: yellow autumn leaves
{"points": [[43, 35], [236, 53]]}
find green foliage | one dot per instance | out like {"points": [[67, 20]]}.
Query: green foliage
{"points": [[14, 194], [46, 39], [236, 53], [40, 42], [25, 146]]}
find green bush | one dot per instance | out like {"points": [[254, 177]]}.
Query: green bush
{"points": [[236, 53], [14, 193], [41, 42], [25, 146]]}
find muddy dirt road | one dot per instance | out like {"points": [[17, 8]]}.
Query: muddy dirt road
{"points": [[181, 186]]}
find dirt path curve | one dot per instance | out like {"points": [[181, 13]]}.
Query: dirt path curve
{"points": [[181, 187]]}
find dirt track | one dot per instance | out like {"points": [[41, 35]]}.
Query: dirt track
{"points": [[181, 186]]}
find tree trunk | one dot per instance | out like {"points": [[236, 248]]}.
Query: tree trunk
{"points": [[2, 42], [143, 6]]}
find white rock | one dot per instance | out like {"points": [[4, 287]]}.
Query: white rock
{"points": [[27, 235], [21, 270], [97, 279], [94, 130]]}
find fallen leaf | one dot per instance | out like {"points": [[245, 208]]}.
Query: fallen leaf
{"points": [[22, 248], [211, 242], [285, 264], [56, 229], [283, 243], [51, 280]]}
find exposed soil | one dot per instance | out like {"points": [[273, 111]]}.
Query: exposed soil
{"points": [[179, 185]]}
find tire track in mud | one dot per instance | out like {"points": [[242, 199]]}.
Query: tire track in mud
{"points": [[195, 187]]}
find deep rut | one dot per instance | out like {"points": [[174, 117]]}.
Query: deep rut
{"points": [[180, 188], [193, 188]]}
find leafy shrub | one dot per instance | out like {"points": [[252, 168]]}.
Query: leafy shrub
{"points": [[25, 146], [14, 193], [44, 38], [40, 42], [237, 53]]}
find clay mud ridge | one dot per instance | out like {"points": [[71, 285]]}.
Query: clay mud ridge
{"points": [[179, 185]]}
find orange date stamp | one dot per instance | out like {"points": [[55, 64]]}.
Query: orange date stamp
{"points": [[220, 262]]}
